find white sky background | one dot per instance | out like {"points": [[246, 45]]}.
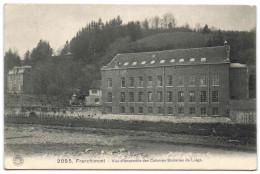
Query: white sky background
{"points": [[25, 25]]}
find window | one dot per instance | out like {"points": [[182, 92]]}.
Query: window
{"points": [[203, 96], [150, 110], [169, 96], [122, 97], [181, 60], [140, 81], [122, 109], [180, 96], [140, 110], [150, 81], [192, 80], [192, 59], [131, 110], [215, 111], [159, 96], [192, 110], [192, 96], [203, 59], [123, 82], [162, 61], [160, 110], [140, 97], [150, 96], [109, 97], [132, 81], [134, 63], [169, 80], [203, 111], [172, 60], [169, 110], [214, 96], [152, 62], [159, 81], [203, 80], [215, 80], [109, 109], [181, 81], [180, 110], [131, 97], [96, 100], [110, 82], [143, 62], [94, 91]]}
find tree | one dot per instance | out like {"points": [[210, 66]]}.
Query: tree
{"points": [[27, 58], [156, 20], [218, 38], [11, 59], [206, 30], [66, 49], [145, 24], [169, 18], [170, 27], [41, 52], [198, 27], [134, 30]]}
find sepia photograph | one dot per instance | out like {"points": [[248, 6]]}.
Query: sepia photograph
{"points": [[129, 86]]}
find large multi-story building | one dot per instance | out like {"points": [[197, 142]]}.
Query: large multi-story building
{"points": [[18, 79], [184, 82]]}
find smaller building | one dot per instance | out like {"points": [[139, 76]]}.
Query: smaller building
{"points": [[239, 81], [95, 93], [18, 79]]}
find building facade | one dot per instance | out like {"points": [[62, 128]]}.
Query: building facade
{"points": [[18, 79], [186, 82]]}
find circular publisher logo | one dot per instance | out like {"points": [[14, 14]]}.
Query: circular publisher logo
{"points": [[18, 160]]}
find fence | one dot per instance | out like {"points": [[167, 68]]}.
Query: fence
{"points": [[243, 117]]}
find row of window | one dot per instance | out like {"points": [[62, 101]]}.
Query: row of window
{"points": [[15, 77], [163, 61], [169, 96], [15, 87], [160, 110], [169, 79]]}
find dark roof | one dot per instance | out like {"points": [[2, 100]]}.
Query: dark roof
{"points": [[218, 54], [96, 84]]}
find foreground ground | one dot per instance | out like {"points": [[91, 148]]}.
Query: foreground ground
{"points": [[38, 140]]}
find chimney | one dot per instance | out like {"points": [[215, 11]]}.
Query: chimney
{"points": [[228, 50], [117, 65]]}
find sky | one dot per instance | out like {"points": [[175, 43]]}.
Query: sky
{"points": [[25, 25]]}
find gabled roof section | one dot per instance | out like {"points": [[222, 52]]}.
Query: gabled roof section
{"points": [[96, 84], [218, 54]]}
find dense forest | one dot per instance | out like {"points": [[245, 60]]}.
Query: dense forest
{"points": [[78, 63]]}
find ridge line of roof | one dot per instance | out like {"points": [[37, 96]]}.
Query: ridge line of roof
{"points": [[170, 50]]}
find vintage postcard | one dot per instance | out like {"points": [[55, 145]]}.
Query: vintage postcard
{"points": [[130, 87]]}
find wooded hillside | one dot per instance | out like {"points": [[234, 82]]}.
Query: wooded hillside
{"points": [[79, 62]]}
